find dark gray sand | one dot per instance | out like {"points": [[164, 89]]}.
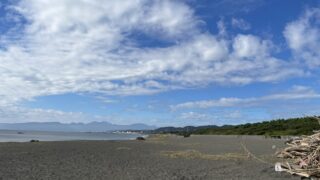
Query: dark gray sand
{"points": [[159, 157]]}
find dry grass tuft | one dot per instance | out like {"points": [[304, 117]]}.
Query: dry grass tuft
{"points": [[123, 148], [193, 154], [159, 138]]}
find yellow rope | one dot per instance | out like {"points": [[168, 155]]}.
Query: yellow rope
{"points": [[255, 157]]}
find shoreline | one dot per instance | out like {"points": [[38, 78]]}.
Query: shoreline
{"points": [[27, 136], [152, 137]]}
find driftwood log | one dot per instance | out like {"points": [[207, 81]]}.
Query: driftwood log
{"points": [[302, 156]]}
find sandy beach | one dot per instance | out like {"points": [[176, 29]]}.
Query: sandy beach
{"points": [[159, 157]]}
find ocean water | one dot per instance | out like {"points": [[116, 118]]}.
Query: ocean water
{"points": [[26, 136]]}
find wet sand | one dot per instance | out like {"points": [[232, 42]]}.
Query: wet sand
{"points": [[159, 157]]}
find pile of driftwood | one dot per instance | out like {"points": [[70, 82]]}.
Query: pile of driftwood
{"points": [[302, 156]]}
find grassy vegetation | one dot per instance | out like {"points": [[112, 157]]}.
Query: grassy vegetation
{"points": [[295, 126], [280, 127]]}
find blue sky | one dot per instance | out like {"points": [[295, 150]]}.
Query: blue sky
{"points": [[159, 62]]}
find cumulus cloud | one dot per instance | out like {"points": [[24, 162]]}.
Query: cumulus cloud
{"points": [[303, 37], [86, 46], [246, 46], [296, 92], [99, 18]]}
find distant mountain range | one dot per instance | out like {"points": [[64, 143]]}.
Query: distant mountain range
{"points": [[73, 127]]}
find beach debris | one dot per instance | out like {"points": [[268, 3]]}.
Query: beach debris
{"points": [[140, 138], [34, 140], [302, 156], [275, 137], [186, 134]]}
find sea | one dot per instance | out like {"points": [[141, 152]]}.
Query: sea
{"points": [[26, 136]]}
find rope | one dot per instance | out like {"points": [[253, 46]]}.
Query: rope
{"points": [[254, 156]]}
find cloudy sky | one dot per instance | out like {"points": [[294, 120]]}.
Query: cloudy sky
{"points": [[159, 62]]}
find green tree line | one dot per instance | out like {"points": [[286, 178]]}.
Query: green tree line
{"points": [[280, 127]]}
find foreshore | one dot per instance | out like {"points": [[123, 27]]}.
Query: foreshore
{"points": [[158, 157]]}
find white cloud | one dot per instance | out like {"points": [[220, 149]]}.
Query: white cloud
{"points": [[235, 115], [173, 17], [100, 20], [220, 117], [297, 92], [194, 116], [15, 114], [222, 28], [105, 100], [85, 46], [78, 46], [303, 37], [240, 23], [247, 46]]}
